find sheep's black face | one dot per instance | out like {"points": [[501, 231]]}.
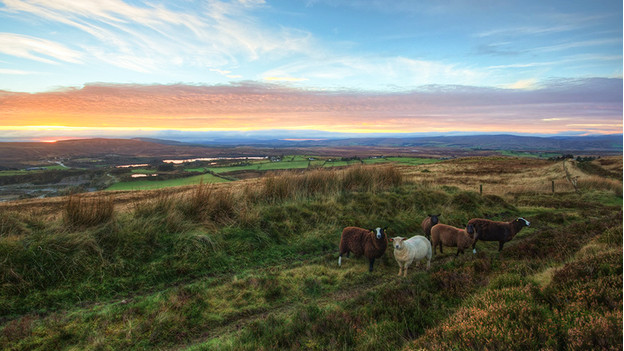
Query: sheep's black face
{"points": [[434, 219], [523, 221], [470, 229]]}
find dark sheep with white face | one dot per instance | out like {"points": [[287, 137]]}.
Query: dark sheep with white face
{"points": [[368, 242]]}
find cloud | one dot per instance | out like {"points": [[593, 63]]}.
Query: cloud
{"points": [[15, 72], [147, 37], [36, 49], [285, 79], [554, 106], [526, 84]]}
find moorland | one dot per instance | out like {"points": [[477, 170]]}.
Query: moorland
{"points": [[252, 264], [47, 169]]}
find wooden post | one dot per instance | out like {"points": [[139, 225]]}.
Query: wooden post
{"points": [[553, 186], [481, 189]]}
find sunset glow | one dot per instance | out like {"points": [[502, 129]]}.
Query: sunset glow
{"points": [[246, 66]]}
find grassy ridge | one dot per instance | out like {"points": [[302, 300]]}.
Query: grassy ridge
{"points": [[256, 269], [159, 184]]}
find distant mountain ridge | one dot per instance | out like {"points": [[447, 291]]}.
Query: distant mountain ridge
{"points": [[601, 143], [19, 154]]}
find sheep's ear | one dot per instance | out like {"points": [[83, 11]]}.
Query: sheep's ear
{"points": [[385, 228], [438, 215], [390, 239], [371, 230]]}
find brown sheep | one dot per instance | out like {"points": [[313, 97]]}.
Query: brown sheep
{"points": [[360, 241], [446, 235], [428, 223], [487, 230]]}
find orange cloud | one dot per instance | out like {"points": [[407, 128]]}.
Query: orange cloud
{"points": [[593, 104]]}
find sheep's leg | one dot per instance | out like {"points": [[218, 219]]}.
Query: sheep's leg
{"points": [[370, 266], [474, 244], [400, 269], [405, 270], [441, 248], [340, 257], [500, 245]]}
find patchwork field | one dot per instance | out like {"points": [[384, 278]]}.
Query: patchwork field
{"points": [[252, 264]]}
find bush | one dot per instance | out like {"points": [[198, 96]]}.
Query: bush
{"points": [[83, 211]]}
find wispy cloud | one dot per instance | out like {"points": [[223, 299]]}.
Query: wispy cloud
{"points": [[15, 72], [285, 79], [36, 49], [148, 37]]}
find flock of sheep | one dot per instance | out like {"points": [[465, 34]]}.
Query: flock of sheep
{"points": [[372, 243]]}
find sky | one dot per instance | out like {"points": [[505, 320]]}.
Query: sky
{"points": [[146, 68]]}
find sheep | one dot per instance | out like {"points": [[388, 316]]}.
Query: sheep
{"points": [[442, 234], [487, 230], [371, 243], [406, 251], [429, 222]]}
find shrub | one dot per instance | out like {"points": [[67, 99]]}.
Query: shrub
{"points": [[83, 211], [208, 203], [506, 319]]}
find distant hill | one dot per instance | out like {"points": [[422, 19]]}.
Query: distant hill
{"points": [[496, 142], [21, 154], [602, 143]]}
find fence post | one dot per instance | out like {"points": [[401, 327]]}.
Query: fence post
{"points": [[481, 189], [553, 186]]}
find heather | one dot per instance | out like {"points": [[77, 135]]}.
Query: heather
{"points": [[254, 267]]}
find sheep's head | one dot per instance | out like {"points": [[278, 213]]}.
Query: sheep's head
{"points": [[434, 218], [397, 242], [523, 221], [470, 230], [380, 233]]}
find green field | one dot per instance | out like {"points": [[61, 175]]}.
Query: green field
{"points": [[300, 162], [159, 184], [529, 154], [222, 269]]}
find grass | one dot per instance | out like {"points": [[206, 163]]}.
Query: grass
{"points": [[252, 268], [159, 184]]}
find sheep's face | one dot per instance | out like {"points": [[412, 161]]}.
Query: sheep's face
{"points": [[434, 219], [397, 242], [470, 229], [524, 221], [379, 233]]}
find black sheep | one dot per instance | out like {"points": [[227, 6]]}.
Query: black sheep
{"points": [[428, 223], [488, 230]]}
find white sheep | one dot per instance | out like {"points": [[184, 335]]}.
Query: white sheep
{"points": [[406, 251]]}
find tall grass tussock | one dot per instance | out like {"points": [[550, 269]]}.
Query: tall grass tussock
{"points": [[81, 211]]}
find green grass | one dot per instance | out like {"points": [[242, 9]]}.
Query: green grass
{"points": [[13, 173], [414, 161], [258, 270], [528, 154], [159, 184], [143, 171], [300, 162]]}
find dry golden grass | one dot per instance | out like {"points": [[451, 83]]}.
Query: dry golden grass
{"points": [[502, 176], [498, 175]]}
